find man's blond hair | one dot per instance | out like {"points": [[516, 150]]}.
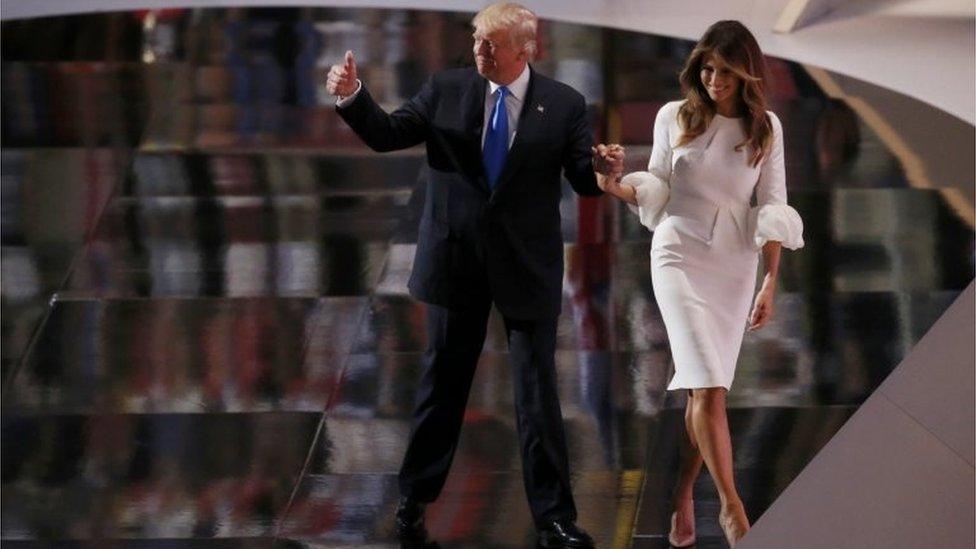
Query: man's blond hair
{"points": [[520, 21]]}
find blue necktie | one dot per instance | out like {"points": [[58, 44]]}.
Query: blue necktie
{"points": [[496, 139]]}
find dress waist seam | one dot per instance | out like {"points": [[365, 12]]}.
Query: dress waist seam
{"points": [[707, 212]]}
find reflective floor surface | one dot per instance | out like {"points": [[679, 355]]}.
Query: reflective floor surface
{"points": [[206, 335]]}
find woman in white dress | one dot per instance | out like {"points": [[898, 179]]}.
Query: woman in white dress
{"points": [[715, 153]]}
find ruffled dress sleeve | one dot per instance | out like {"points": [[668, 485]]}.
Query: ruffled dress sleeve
{"points": [[652, 195], [653, 186], [772, 218]]}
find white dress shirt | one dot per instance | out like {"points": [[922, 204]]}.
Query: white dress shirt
{"points": [[513, 102]]}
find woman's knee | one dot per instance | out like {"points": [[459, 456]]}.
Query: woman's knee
{"points": [[708, 398]]}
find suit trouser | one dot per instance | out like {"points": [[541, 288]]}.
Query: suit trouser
{"points": [[455, 340]]}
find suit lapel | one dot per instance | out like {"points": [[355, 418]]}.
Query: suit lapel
{"points": [[529, 121], [473, 105]]}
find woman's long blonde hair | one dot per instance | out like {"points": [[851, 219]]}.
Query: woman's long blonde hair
{"points": [[734, 45]]}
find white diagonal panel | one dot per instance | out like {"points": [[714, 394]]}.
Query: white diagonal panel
{"points": [[900, 472]]}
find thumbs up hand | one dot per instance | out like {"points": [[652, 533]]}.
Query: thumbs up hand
{"points": [[342, 78]]}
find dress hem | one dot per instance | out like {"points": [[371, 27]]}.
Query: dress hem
{"points": [[698, 386]]}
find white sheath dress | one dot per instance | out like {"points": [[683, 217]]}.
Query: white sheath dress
{"points": [[707, 238]]}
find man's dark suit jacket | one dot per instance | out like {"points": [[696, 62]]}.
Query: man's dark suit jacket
{"points": [[474, 241]]}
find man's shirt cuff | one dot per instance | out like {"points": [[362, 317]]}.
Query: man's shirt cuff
{"points": [[344, 102]]}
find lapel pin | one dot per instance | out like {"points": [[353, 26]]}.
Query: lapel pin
{"points": [[540, 108]]}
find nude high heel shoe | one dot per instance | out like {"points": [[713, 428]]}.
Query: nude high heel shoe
{"points": [[673, 538], [733, 529]]}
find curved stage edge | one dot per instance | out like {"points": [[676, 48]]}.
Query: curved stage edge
{"points": [[918, 44]]}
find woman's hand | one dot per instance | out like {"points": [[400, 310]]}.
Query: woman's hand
{"points": [[608, 163], [608, 160], [762, 309]]}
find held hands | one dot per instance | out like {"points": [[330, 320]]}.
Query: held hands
{"points": [[608, 160], [608, 163], [342, 78]]}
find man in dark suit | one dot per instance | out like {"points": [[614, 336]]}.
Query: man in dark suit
{"points": [[498, 137]]}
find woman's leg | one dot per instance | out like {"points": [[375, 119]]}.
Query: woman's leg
{"points": [[711, 428], [691, 463]]}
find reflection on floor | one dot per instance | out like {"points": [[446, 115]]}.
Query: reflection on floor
{"points": [[207, 339]]}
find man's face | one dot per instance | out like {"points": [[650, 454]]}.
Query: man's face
{"points": [[496, 57]]}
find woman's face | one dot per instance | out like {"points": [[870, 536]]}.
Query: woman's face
{"points": [[721, 83]]}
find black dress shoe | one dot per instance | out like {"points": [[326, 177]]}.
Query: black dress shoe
{"points": [[409, 520], [563, 533]]}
